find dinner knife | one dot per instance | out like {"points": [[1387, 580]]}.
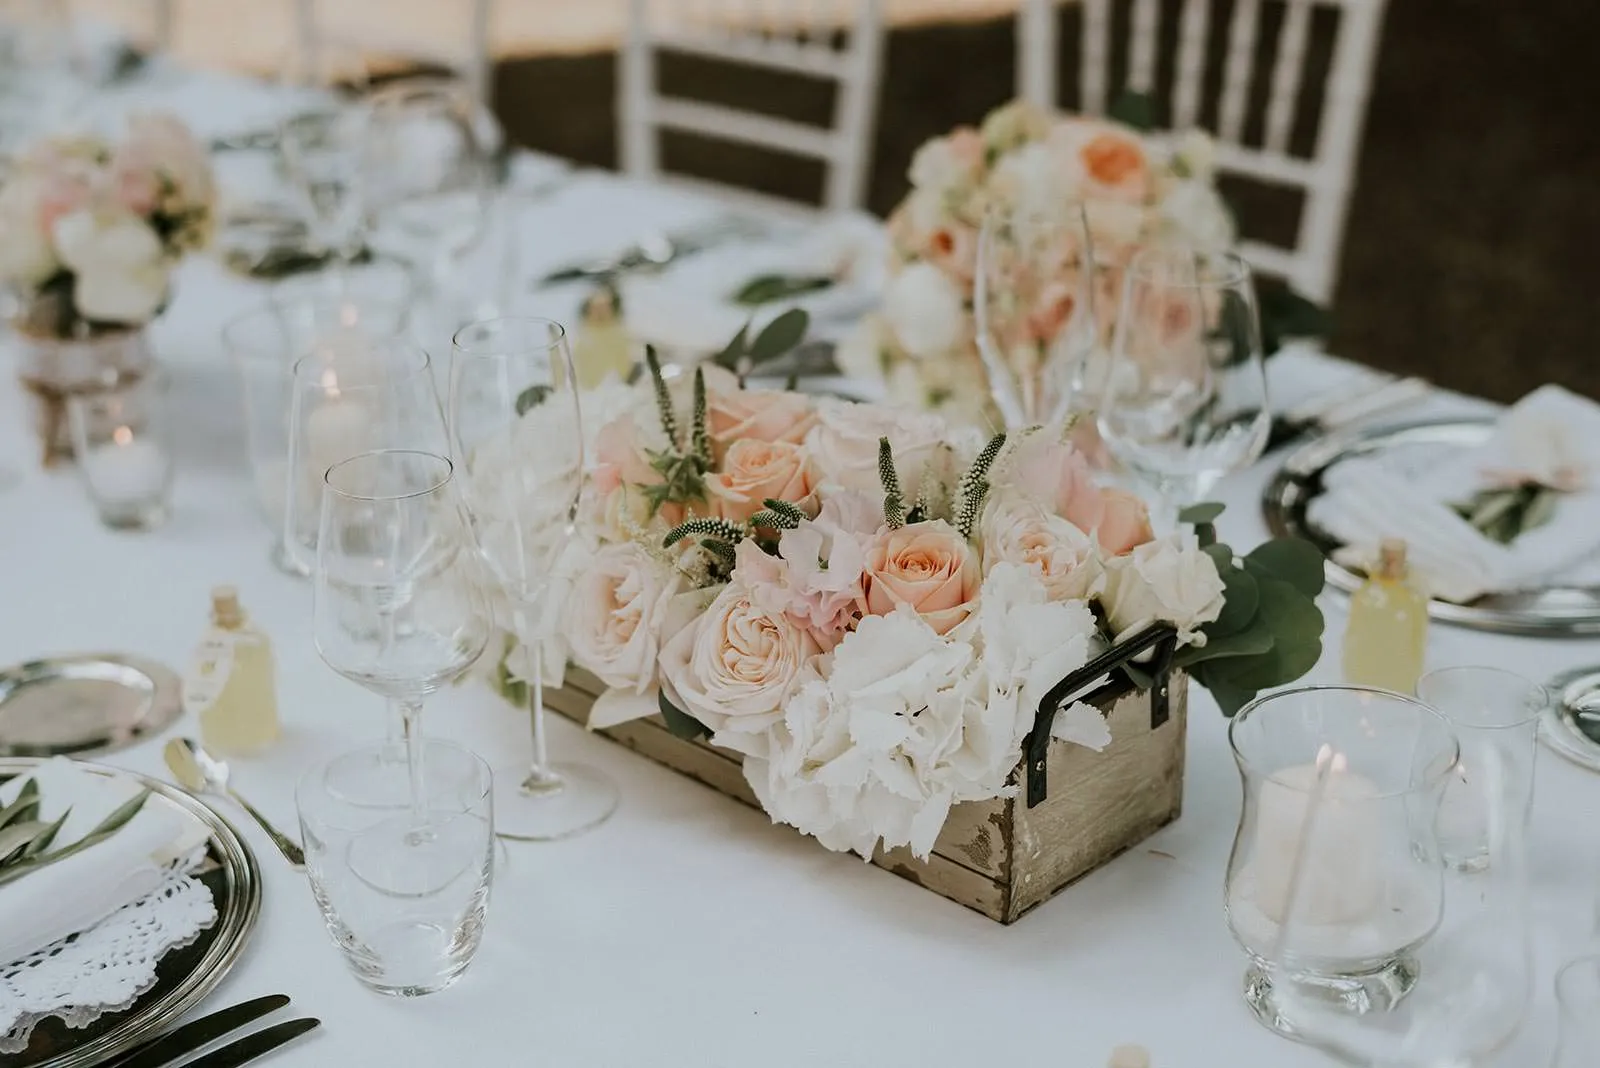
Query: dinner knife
{"points": [[168, 1047], [1370, 402], [246, 1049]]}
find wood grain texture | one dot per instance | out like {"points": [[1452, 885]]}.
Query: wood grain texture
{"points": [[997, 857]]}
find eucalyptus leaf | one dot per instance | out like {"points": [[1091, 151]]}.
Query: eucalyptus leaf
{"points": [[1204, 512], [1295, 625], [531, 397], [1134, 109], [780, 336], [1253, 641], [733, 352], [1229, 697], [1294, 560], [766, 288], [1238, 607], [679, 722]]}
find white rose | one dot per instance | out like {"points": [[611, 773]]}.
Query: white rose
{"points": [[844, 444], [925, 311], [615, 613], [1031, 181], [121, 274], [1196, 153], [1169, 580], [27, 257], [735, 667], [1015, 529], [1196, 213]]}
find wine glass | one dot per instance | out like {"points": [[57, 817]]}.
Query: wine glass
{"points": [[518, 436], [396, 606], [321, 143], [426, 173], [1471, 977], [1033, 302], [1185, 396]]}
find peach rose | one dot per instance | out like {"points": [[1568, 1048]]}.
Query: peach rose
{"points": [[753, 471], [1124, 523], [762, 414], [928, 567], [1059, 477]]}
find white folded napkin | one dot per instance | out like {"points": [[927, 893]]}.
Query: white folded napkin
{"points": [[1550, 435], [78, 892]]}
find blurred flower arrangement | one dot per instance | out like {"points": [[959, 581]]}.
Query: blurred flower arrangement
{"points": [[1033, 167], [93, 228], [869, 604]]}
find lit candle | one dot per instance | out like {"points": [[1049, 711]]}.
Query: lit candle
{"points": [[127, 470], [1340, 879], [336, 429]]}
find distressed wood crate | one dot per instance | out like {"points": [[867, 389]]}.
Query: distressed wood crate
{"points": [[999, 857]]}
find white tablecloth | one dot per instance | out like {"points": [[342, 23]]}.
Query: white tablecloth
{"points": [[687, 931]]}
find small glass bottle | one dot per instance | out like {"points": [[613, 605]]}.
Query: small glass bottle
{"points": [[603, 346], [1387, 635], [233, 686]]}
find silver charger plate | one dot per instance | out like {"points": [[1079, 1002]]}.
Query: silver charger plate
{"points": [[1555, 611], [88, 703], [1574, 697], [185, 975]]}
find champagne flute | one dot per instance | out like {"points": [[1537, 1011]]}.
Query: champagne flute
{"points": [[397, 608], [1185, 397], [513, 394], [1034, 306]]}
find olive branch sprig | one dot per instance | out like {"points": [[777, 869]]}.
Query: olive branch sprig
{"points": [[25, 839]]}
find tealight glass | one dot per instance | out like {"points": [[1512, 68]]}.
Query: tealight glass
{"points": [[1578, 999], [121, 438], [1377, 762]]}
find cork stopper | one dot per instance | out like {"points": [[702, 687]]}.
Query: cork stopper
{"points": [[1392, 558], [1129, 1057], [225, 610]]}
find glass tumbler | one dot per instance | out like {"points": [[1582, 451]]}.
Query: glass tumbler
{"points": [[1372, 765], [121, 438], [404, 902], [1495, 715], [1578, 1000]]}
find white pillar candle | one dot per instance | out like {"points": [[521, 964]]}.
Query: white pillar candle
{"points": [[337, 428], [126, 470], [1341, 880]]}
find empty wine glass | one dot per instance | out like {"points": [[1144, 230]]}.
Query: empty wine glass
{"points": [[1185, 396], [321, 143], [517, 431], [1034, 306], [426, 173], [397, 608]]}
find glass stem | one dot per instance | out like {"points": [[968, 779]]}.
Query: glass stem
{"points": [[394, 712], [411, 719], [540, 777]]}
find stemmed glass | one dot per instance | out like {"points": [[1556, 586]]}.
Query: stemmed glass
{"points": [[397, 608], [1185, 397], [518, 436], [321, 144], [1033, 302], [426, 173]]}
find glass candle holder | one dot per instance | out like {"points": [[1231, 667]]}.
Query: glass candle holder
{"points": [[121, 437], [1372, 764], [1495, 716], [1578, 1000]]}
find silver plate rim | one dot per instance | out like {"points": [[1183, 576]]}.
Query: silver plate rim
{"points": [[236, 921], [166, 703], [1289, 490], [1557, 730]]}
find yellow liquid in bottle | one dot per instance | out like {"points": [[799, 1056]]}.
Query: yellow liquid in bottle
{"points": [[1387, 637], [243, 716]]}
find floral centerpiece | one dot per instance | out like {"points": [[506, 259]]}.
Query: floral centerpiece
{"points": [[868, 605]]}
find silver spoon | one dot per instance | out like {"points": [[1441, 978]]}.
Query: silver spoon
{"points": [[201, 773]]}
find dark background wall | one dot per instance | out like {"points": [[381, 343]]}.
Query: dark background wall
{"points": [[1472, 250]]}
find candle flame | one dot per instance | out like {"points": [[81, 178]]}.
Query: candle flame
{"points": [[1331, 760], [122, 435]]}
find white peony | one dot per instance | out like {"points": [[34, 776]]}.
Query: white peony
{"points": [[1016, 529], [615, 614], [27, 256], [1030, 181], [925, 311], [844, 444], [120, 267], [1171, 580]]}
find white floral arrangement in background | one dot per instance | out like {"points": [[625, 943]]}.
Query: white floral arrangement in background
{"points": [[865, 603], [1134, 188], [91, 229]]}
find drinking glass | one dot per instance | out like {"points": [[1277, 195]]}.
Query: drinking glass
{"points": [[1185, 396], [1469, 979], [321, 143], [122, 438], [1578, 1000], [426, 174], [1376, 763], [265, 342], [517, 432], [398, 608], [1034, 305], [1491, 710], [406, 910]]}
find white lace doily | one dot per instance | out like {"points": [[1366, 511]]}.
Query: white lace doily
{"points": [[101, 970]]}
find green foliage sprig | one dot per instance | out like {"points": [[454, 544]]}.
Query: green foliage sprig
{"points": [[1505, 513], [742, 355], [25, 840]]}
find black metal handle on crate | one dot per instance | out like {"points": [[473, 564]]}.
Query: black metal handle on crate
{"points": [[1160, 637]]}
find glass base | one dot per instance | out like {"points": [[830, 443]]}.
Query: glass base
{"points": [[576, 798], [147, 516], [1354, 995]]}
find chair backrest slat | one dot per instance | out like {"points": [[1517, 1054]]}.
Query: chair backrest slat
{"points": [[1193, 30], [1238, 68]]}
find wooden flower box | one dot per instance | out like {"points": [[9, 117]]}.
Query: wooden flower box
{"points": [[1003, 857]]}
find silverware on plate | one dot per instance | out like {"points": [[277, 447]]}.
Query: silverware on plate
{"points": [[178, 1042], [1341, 407], [657, 250], [201, 773], [256, 1044]]}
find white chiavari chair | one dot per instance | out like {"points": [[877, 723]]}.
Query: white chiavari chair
{"points": [[465, 50], [1252, 145], [840, 41]]}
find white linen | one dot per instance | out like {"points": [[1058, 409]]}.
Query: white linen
{"points": [[81, 890], [1548, 431]]}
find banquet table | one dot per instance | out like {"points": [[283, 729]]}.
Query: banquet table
{"points": [[688, 931]]}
